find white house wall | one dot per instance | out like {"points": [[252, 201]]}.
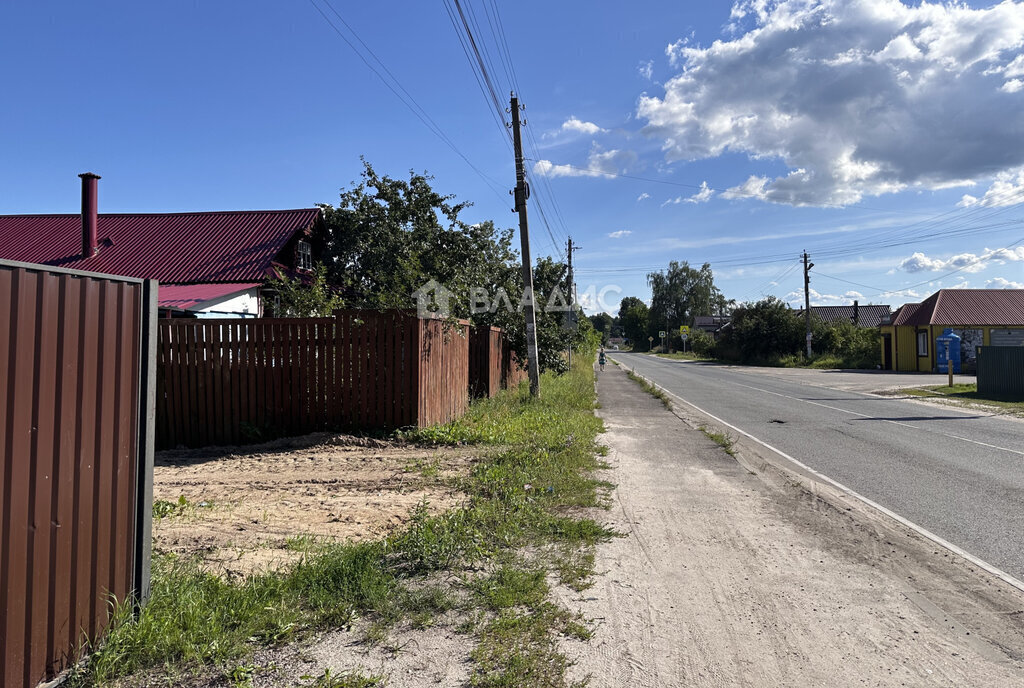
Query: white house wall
{"points": [[244, 304]]}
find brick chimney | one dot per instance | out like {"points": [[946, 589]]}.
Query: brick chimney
{"points": [[90, 232]]}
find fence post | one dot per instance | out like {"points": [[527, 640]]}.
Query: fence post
{"points": [[147, 437], [416, 376]]}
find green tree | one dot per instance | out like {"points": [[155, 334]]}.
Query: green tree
{"points": [[305, 299], [681, 293], [602, 323], [634, 317], [387, 237]]}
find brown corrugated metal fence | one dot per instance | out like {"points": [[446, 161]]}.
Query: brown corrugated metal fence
{"points": [[1001, 371], [236, 381], [76, 410]]}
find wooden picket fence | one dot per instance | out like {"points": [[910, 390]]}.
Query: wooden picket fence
{"points": [[485, 361], [222, 382], [513, 370]]}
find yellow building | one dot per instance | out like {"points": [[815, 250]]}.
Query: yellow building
{"points": [[981, 317]]}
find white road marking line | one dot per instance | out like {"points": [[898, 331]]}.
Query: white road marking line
{"points": [[980, 563], [884, 420]]}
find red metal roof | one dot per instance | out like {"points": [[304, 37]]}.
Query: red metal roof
{"points": [[904, 313], [235, 246], [965, 308], [183, 296]]}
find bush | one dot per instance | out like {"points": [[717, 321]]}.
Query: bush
{"points": [[762, 332], [701, 343], [770, 333]]}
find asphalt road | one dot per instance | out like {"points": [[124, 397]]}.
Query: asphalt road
{"points": [[959, 474]]}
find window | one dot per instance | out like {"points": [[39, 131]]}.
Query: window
{"points": [[922, 343], [304, 256]]}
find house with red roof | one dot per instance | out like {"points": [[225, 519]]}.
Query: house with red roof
{"points": [[209, 264], [980, 317]]}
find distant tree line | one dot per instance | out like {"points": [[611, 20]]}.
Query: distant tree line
{"points": [[765, 332]]}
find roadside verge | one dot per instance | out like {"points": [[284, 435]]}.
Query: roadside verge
{"points": [[739, 573]]}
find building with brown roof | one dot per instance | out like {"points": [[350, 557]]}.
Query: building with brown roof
{"points": [[856, 315], [212, 264], [981, 317]]}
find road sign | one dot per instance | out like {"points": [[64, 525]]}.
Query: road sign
{"points": [[684, 336], [684, 330], [661, 334]]}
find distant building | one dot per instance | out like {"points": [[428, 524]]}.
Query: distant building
{"points": [[980, 317], [209, 264], [711, 324], [857, 315]]}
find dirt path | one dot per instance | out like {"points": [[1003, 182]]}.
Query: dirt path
{"points": [[731, 578]]}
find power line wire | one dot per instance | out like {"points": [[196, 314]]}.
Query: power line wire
{"points": [[395, 86]]}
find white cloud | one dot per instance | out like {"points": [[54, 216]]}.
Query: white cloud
{"points": [[968, 262], [619, 234], [646, 69], [1007, 189], [1001, 283], [754, 187], [643, 197], [703, 196], [856, 97], [599, 164], [796, 298], [575, 127]]}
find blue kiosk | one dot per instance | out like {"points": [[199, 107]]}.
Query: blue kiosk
{"points": [[947, 351]]}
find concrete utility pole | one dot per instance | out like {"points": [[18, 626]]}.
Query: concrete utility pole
{"points": [[572, 291], [807, 300], [522, 192]]}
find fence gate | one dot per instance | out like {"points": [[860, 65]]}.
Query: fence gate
{"points": [[76, 436]]}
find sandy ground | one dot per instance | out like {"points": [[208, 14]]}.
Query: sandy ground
{"points": [[739, 574], [256, 508], [432, 657]]}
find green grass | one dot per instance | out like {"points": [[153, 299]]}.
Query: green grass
{"points": [[684, 356], [523, 496], [723, 440], [516, 648], [968, 392], [195, 618], [650, 389]]}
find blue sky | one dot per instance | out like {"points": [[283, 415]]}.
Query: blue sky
{"points": [[884, 138]]}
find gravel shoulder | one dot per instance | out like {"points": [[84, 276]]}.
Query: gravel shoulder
{"points": [[735, 571]]}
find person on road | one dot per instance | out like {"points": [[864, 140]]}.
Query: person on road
{"points": [[600, 359]]}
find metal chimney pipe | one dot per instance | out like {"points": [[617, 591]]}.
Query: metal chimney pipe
{"points": [[90, 231]]}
